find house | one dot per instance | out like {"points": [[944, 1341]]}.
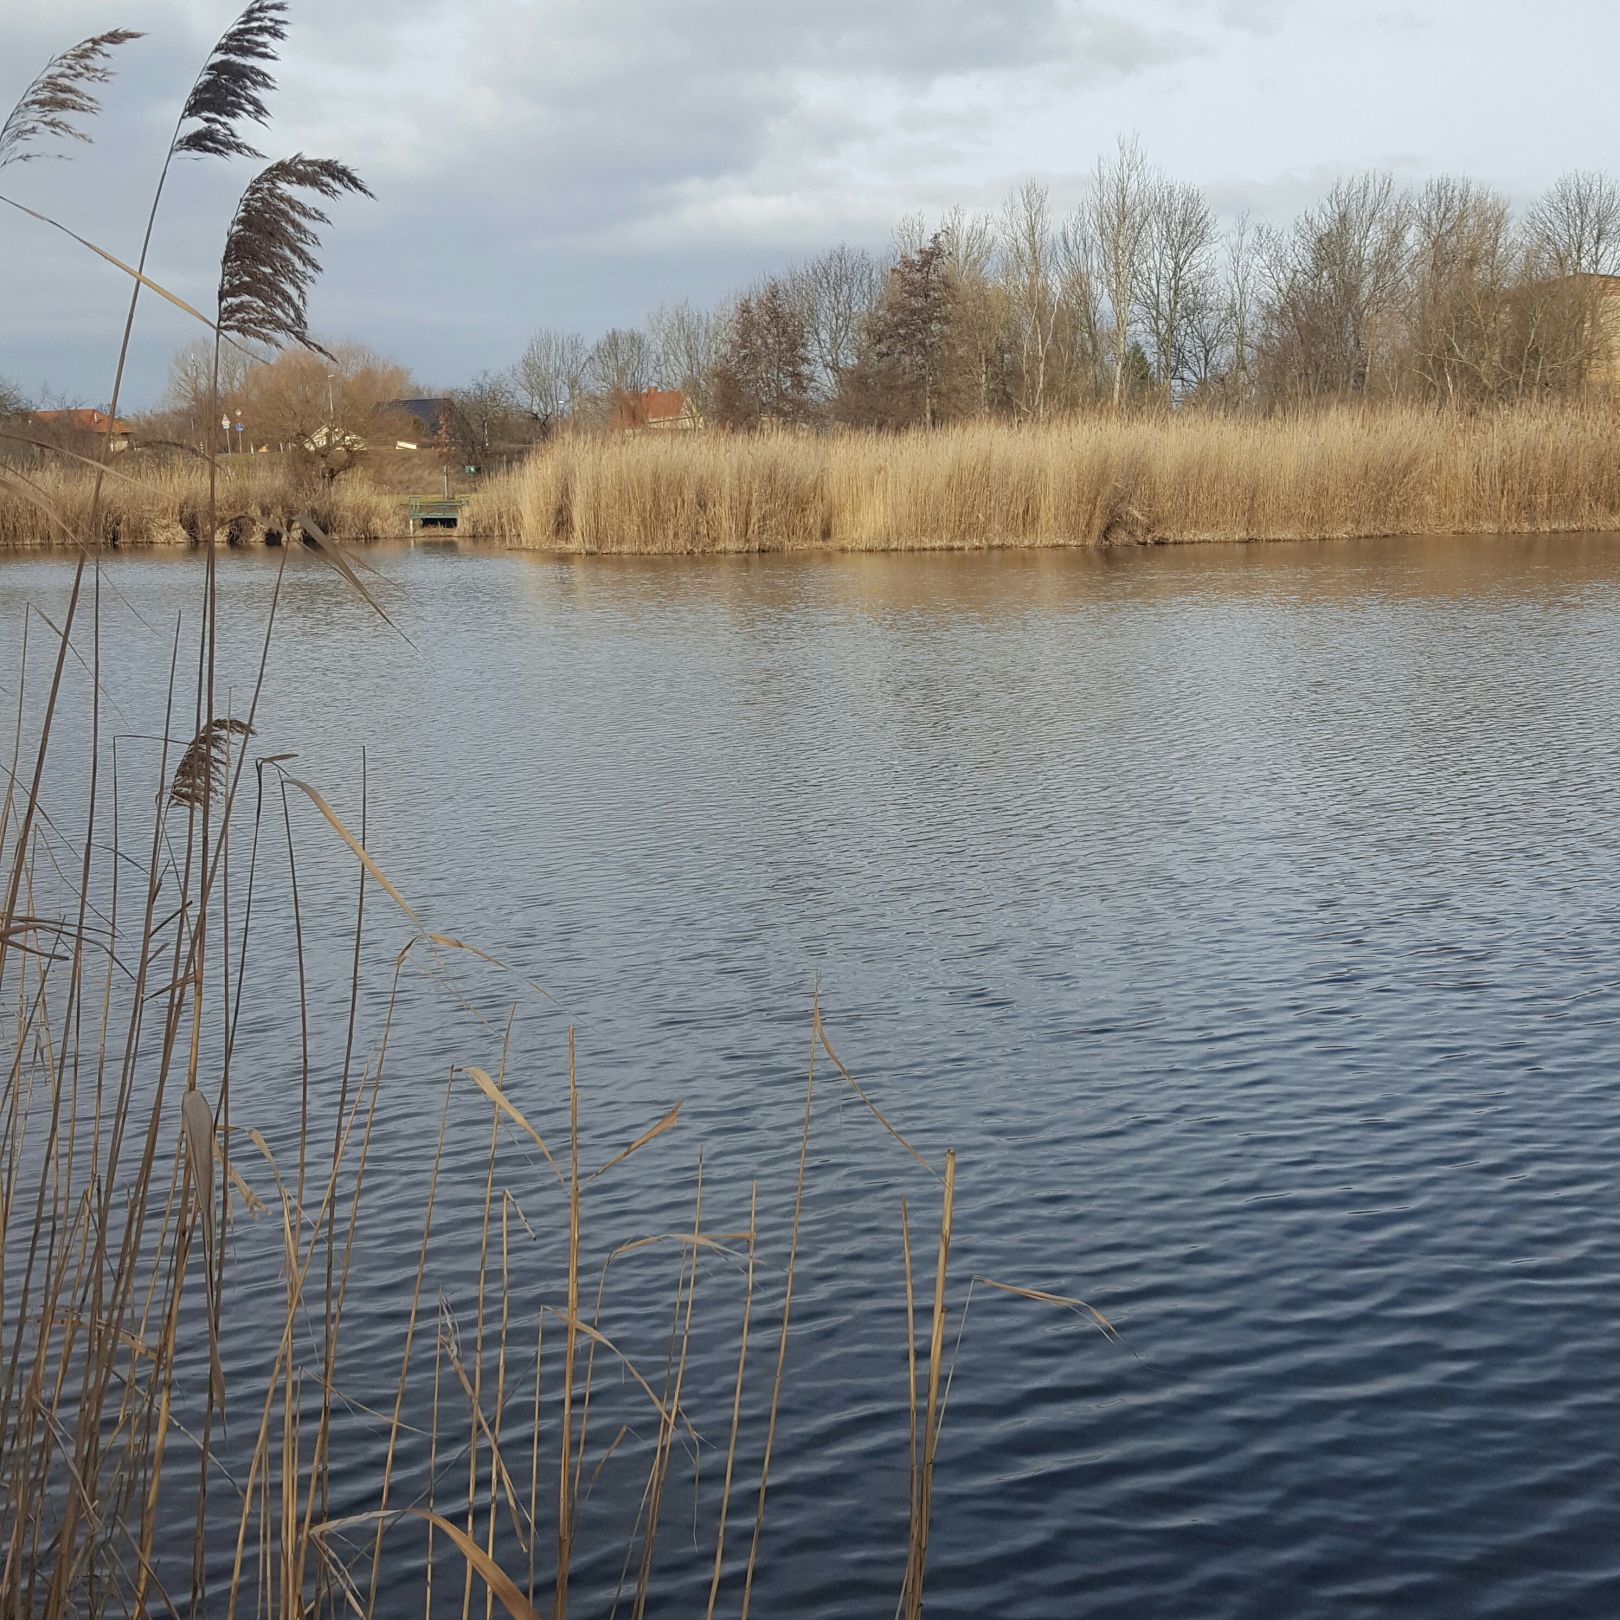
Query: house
{"points": [[1605, 294], [656, 410], [84, 420], [334, 438], [1582, 315], [423, 423]]}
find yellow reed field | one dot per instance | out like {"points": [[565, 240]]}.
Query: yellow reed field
{"points": [[1088, 481], [164, 503], [1081, 482]]}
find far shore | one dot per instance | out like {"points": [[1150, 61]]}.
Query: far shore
{"points": [[1082, 482]]}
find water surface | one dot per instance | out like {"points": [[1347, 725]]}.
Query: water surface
{"points": [[1245, 917]]}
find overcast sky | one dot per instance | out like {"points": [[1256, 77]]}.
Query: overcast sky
{"points": [[574, 162]]}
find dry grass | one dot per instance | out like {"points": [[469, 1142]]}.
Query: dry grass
{"points": [[123, 1209], [164, 503], [1095, 481], [1084, 482]]}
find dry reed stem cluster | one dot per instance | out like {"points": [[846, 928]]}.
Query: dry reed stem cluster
{"points": [[1101, 481], [119, 1205], [166, 504], [1083, 482]]}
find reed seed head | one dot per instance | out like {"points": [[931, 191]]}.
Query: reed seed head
{"points": [[269, 262], [201, 771], [232, 85], [61, 93]]}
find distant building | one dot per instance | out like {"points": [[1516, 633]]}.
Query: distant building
{"points": [[1606, 360], [654, 410], [426, 422], [334, 438], [87, 421]]}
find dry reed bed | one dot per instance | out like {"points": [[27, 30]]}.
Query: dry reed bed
{"points": [[140, 1214], [1084, 482], [165, 504]]}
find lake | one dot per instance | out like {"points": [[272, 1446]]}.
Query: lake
{"points": [[1247, 919]]}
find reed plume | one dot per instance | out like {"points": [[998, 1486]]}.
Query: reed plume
{"points": [[232, 86], [202, 768], [269, 262], [60, 93]]}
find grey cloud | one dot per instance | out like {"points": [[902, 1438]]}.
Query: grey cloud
{"points": [[583, 160]]}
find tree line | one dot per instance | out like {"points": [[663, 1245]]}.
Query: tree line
{"points": [[1138, 298]]}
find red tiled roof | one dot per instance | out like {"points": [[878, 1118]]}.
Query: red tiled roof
{"points": [[84, 419], [662, 404], [649, 406]]}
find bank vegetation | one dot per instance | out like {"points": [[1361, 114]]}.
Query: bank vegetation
{"points": [[1084, 481], [1126, 367], [1100, 479]]}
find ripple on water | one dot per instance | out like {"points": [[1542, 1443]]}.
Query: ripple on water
{"points": [[1246, 919]]}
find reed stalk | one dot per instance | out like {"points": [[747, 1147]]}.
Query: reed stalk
{"points": [[1096, 481]]}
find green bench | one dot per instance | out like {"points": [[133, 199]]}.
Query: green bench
{"points": [[434, 514]]}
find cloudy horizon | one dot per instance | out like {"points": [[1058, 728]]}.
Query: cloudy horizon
{"points": [[557, 164]]}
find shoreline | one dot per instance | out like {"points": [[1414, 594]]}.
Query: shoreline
{"points": [[487, 544], [1079, 483]]}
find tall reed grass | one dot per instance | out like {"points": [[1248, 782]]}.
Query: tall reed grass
{"points": [[1100, 481], [167, 504], [1083, 482]]}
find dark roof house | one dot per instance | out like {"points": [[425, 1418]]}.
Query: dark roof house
{"points": [[431, 416]]}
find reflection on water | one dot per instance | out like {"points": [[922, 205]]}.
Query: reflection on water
{"points": [[1246, 918]]}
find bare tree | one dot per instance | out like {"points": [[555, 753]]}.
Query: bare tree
{"points": [[15, 408], [1207, 350], [1028, 265], [1175, 278], [324, 407], [978, 312], [1461, 270], [1242, 270], [686, 342], [1575, 228], [1335, 286], [909, 238], [485, 421], [549, 375], [621, 361], [764, 370], [1121, 214], [186, 397], [835, 292], [914, 369], [1081, 325]]}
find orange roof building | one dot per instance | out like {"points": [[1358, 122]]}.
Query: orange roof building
{"points": [[657, 409], [83, 420]]}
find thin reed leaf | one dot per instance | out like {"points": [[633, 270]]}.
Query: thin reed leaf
{"points": [[509, 1109], [651, 1134], [851, 1082], [506, 1590], [1079, 1306]]}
